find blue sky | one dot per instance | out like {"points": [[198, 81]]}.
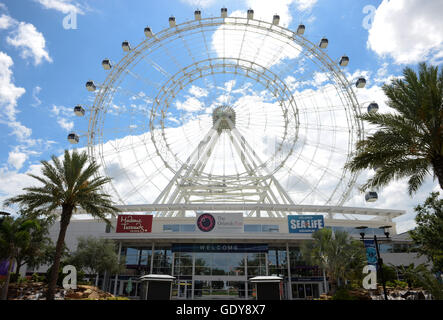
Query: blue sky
{"points": [[44, 65]]}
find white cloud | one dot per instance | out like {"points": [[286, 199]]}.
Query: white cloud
{"points": [[199, 3], [409, 31], [65, 124], [6, 22], [191, 104], [17, 159], [64, 6], [9, 93], [303, 5], [31, 42], [35, 93], [198, 92]]}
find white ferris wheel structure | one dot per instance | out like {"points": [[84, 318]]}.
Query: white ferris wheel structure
{"points": [[228, 114]]}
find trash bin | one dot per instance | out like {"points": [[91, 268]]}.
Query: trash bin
{"points": [[267, 287], [157, 287]]}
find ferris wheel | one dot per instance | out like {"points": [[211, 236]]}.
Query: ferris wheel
{"points": [[225, 110]]}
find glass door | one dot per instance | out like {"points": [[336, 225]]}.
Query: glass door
{"points": [[184, 289], [305, 291]]}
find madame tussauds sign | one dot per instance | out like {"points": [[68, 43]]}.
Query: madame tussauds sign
{"points": [[134, 224]]}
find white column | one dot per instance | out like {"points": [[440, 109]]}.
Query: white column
{"points": [[193, 276], [288, 260], [246, 273], [116, 276], [152, 258]]}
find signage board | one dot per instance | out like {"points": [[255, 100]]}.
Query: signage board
{"points": [[371, 252], [220, 247], [220, 222], [134, 224], [305, 224]]}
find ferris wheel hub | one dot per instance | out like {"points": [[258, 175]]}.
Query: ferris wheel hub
{"points": [[224, 113]]}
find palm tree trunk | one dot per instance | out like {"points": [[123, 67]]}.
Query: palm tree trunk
{"points": [[64, 223], [8, 277], [437, 163]]}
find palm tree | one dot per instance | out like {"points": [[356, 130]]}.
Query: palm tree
{"points": [[15, 235], [409, 142], [70, 184], [336, 253]]}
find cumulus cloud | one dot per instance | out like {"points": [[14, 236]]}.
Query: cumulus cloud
{"points": [[6, 22], [17, 159], [9, 93], [409, 31], [30, 41], [66, 124], [63, 6]]}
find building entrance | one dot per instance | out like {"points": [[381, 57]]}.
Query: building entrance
{"points": [[305, 291], [223, 288], [184, 290]]}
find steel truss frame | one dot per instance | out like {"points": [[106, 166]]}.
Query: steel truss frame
{"points": [[191, 188]]}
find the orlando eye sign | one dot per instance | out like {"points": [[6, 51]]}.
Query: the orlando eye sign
{"points": [[305, 224]]}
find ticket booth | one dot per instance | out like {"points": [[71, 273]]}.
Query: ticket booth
{"points": [[157, 287], [268, 287]]}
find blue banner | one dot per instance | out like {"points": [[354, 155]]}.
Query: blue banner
{"points": [[305, 224], [371, 252]]}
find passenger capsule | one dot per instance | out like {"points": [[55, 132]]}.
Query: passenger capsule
{"points": [[73, 138], [198, 15], [301, 29], [224, 12], [148, 33], [250, 14], [344, 61], [323, 43], [107, 64], [126, 46], [276, 20], [172, 23], [373, 108], [79, 111], [90, 85], [371, 196], [361, 83]]}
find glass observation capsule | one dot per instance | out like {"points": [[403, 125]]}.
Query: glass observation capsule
{"points": [[90, 86], [344, 61], [148, 32], [79, 111], [361, 83], [73, 138], [371, 196], [276, 20], [224, 12], [126, 46], [198, 15], [373, 108], [250, 14], [172, 23], [106, 63], [323, 43], [301, 29]]}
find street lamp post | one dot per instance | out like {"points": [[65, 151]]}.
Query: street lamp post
{"points": [[379, 259]]}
